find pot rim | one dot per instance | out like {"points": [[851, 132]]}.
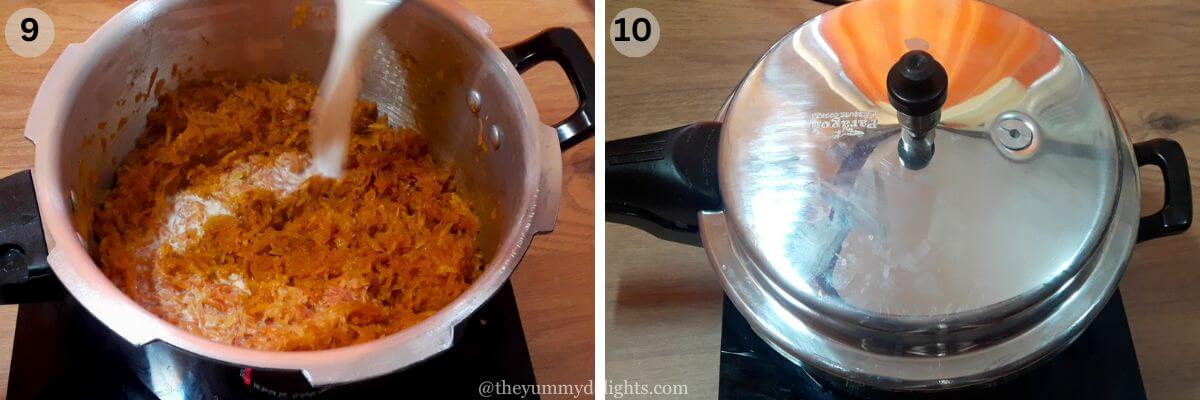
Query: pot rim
{"points": [[81, 276]]}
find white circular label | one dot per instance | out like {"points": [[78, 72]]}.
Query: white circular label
{"points": [[29, 32], [634, 32]]}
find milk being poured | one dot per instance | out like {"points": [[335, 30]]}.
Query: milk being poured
{"points": [[329, 123], [332, 109]]}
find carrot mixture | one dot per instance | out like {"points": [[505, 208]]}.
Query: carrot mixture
{"points": [[216, 224]]}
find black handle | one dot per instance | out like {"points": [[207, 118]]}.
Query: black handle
{"points": [[25, 275], [1176, 213], [661, 181], [564, 47]]}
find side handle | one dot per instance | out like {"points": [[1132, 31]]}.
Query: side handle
{"points": [[564, 47], [25, 275], [1176, 213], [661, 181]]}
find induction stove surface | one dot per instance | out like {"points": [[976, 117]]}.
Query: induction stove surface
{"points": [[61, 352], [1100, 364]]}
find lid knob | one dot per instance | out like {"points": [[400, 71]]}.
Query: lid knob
{"points": [[917, 86]]}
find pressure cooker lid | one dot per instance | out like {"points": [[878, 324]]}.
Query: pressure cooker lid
{"points": [[901, 162]]}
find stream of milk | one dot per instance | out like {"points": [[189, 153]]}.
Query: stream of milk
{"points": [[330, 118]]}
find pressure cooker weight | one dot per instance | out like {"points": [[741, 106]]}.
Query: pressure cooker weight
{"points": [[218, 223]]}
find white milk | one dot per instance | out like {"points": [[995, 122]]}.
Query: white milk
{"points": [[330, 118]]}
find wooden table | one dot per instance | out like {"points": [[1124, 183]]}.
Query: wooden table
{"points": [[554, 284], [663, 300]]}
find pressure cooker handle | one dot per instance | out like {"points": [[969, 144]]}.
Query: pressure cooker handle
{"points": [[661, 181], [25, 275], [1176, 213], [564, 47]]}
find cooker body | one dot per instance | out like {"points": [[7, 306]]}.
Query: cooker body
{"points": [[431, 68], [850, 258], [862, 360], [689, 210]]}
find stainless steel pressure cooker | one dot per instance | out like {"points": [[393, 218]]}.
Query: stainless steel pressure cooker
{"points": [[910, 195], [432, 67]]}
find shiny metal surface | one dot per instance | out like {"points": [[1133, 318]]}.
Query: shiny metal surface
{"points": [[928, 277], [946, 362], [1017, 135], [920, 126], [432, 67], [814, 189], [915, 148], [1014, 131]]}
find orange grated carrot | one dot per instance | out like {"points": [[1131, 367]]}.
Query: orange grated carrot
{"points": [[266, 256]]}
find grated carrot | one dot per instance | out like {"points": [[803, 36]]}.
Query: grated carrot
{"points": [[215, 224]]}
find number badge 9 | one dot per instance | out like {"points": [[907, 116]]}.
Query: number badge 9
{"points": [[29, 32]]}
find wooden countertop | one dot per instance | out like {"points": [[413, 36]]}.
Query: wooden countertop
{"points": [[554, 283], [663, 300]]}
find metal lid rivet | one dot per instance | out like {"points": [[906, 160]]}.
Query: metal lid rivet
{"points": [[1016, 134]]}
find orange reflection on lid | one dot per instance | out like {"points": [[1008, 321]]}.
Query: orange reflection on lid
{"points": [[979, 44]]}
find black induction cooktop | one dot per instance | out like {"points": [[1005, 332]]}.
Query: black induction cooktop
{"points": [[61, 352], [1100, 365]]}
